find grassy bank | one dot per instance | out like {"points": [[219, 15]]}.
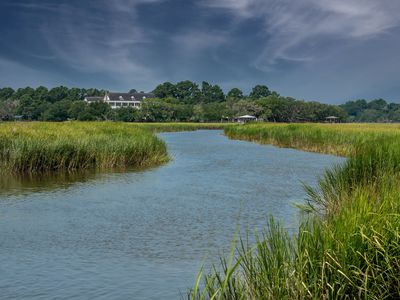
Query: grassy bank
{"points": [[41, 147], [38, 147], [347, 246]]}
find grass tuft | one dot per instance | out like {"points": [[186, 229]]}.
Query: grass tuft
{"points": [[348, 245]]}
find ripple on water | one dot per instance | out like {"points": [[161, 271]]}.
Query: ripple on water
{"points": [[144, 235]]}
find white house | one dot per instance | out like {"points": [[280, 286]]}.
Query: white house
{"points": [[245, 119], [117, 100]]}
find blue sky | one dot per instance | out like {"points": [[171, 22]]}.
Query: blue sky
{"points": [[327, 50]]}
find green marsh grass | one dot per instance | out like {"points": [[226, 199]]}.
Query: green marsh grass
{"points": [[348, 244], [44, 147]]}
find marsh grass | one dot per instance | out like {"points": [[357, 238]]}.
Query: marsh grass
{"points": [[42, 147], [348, 244]]}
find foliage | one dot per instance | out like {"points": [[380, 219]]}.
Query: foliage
{"points": [[347, 246], [41, 147], [377, 110], [260, 91], [234, 94], [185, 101]]}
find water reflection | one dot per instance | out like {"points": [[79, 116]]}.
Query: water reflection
{"points": [[143, 235], [19, 184], [25, 184]]}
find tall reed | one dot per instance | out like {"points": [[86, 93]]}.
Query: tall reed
{"points": [[348, 245], [41, 147]]}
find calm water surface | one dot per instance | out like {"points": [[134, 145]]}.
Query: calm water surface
{"points": [[144, 235]]}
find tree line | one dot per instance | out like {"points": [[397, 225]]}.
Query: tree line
{"points": [[377, 110], [185, 101]]}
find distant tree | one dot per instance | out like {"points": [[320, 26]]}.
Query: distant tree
{"points": [[378, 104], [132, 91], [28, 91], [156, 110], [76, 94], [234, 94], [187, 91], [57, 94], [76, 108], [126, 114], [93, 92], [211, 93], [41, 94], [353, 108], [212, 112], [165, 90], [31, 109], [58, 111], [393, 106], [244, 107], [100, 110], [394, 115], [7, 109], [260, 91], [372, 115], [6, 93]]}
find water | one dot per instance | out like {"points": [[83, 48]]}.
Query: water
{"points": [[144, 235]]}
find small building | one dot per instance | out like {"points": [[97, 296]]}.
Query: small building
{"points": [[245, 119], [118, 100], [332, 119]]}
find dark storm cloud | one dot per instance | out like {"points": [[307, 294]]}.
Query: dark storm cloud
{"points": [[315, 49]]}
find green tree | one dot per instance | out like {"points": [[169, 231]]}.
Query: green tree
{"points": [[354, 108], [245, 107], [41, 94], [235, 94], [57, 111], [188, 92], [126, 114], [6, 93], [260, 91], [165, 90], [28, 91], [76, 108], [76, 94], [378, 104], [57, 94], [211, 93], [31, 109], [7, 109]]}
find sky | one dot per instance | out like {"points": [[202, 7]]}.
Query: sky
{"points": [[325, 50]]}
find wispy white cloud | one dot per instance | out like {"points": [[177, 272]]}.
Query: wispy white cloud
{"points": [[291, 28], [195, 41], [108, 41]]}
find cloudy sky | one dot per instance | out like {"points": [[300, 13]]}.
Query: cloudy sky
{"points": [[327, 50]]}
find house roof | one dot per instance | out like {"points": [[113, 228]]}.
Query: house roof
{"points": [[129, 96], [247, 117]]}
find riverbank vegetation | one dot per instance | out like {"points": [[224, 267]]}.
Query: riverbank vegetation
{"points": [[42, 147], [184, 101], [37, 147], [347, 246]]}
